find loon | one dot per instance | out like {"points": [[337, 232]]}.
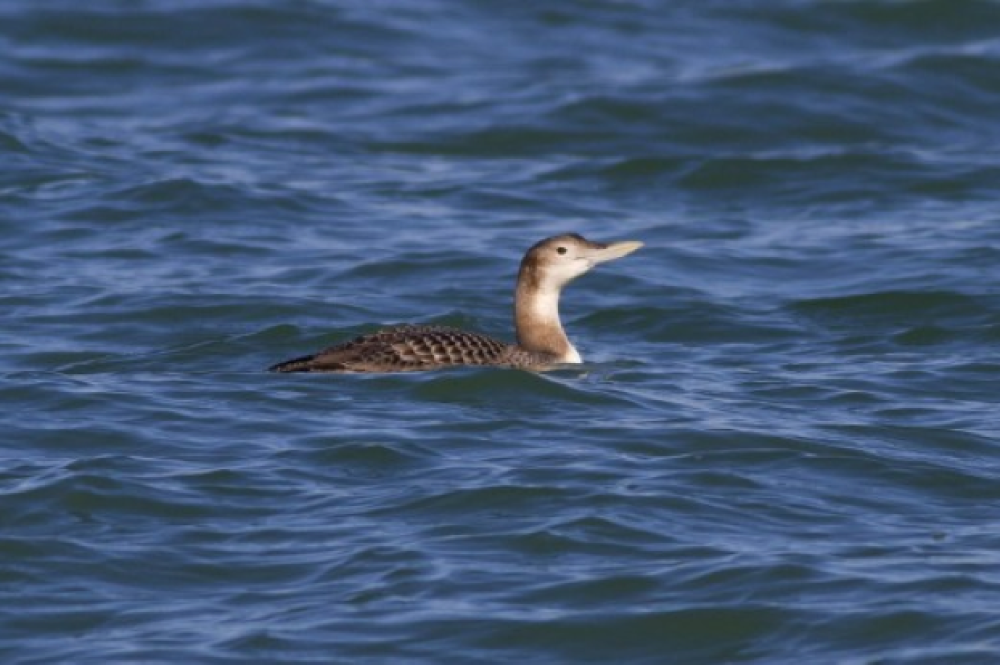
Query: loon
{"points": [[546, 268]]}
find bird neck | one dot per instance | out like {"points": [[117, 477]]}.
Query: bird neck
{"points": [[536, 318]]}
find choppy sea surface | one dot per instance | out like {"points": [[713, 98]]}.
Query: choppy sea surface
{"points": [[784, 446]]}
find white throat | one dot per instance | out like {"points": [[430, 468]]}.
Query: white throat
{"points": [[538, 321], [572, 357]]}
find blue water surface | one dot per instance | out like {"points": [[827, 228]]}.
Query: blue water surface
{"points": [[784, 445]]}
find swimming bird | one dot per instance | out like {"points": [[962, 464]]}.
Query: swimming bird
{"points": [[546, 268]]}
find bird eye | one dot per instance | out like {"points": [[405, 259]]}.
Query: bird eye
{"points": [[561, 250]]}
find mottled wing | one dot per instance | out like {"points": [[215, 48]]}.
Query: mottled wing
{"points": [[405, 349]]}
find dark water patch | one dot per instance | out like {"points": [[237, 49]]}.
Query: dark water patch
{"points": [[10, 143], [965, 74], [772, 173], [179, 195], [933, 20], [877, 25], [509, 389], [362, 461], [99, 499], [638, 636], [415, 264], [505, 141], [209, 28], [645, 169], [923, 442], [687, 321], [492, 501], [182, 198], [583, 593], [898, 308]]}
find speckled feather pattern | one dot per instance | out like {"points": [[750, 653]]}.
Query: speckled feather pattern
{"points": [[545, 269], [415, 348]]}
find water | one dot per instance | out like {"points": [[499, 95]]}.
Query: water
{"points": [[785, 445]]}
